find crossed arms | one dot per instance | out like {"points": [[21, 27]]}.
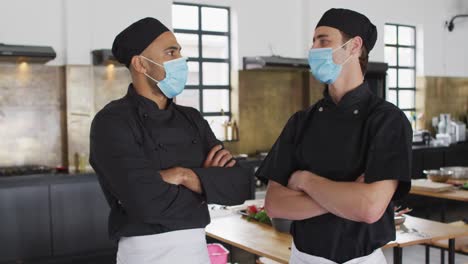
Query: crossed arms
{"points": [[309, 195]]}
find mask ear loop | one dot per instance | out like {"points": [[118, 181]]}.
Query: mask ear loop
{"points": [[153, 63], [349, 57], [340, 46]]}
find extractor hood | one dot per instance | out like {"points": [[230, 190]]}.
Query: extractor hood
{"points": [[261, 62], [104, 57], [269, 62], [20, 53]]}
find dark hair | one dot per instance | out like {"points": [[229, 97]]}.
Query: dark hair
{"points": [[364, 58]]}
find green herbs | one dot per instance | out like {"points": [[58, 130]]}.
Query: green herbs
{"points": [[258, 214]]}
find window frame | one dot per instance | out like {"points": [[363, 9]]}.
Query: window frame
{"points": [[397, 67], [200, 59]]}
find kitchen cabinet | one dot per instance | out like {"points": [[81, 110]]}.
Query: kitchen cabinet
{"points": [[427, 158], [79, 218], [457, 155], [51, 218], [24, 223]]}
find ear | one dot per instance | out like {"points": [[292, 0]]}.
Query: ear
{"points": [[356, 45], [138, 64]]}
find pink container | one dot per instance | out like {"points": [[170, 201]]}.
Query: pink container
{"points": [[218, 253]]}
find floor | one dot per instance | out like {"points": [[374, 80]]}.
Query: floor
{"points": [[411, 255], [416, 255]]}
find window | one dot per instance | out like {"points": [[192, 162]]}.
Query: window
{"points": [[400, 54], [204, 33]]}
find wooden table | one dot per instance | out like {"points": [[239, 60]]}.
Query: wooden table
{"points": [[417, 231], [254, 237], [263, 240], [455, 195]]}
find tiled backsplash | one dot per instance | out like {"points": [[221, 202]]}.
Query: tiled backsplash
{"points": [[32, 114], [436, 95], [89, 89], [46, 111]]}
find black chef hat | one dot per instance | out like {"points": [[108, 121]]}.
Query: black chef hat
{"points": [[135, 38], [352, 23]]}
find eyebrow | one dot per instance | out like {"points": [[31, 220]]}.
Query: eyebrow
{"points": [[320, 36], [173, 48]]}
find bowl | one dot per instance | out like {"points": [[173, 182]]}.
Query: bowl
{"points": [[282, 225], [459, 173], [438, 175], [399, 219]]}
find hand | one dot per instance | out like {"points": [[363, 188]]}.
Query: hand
{"points": [[219, 157], [298, 178], [173, 175], [182, 176], [360, 179]]}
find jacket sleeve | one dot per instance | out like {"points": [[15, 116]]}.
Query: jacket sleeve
{"points": [[390, 154], [116, 155], [227, 186]]}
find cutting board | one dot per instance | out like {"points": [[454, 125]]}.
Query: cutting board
{"points": [[426, 185]]}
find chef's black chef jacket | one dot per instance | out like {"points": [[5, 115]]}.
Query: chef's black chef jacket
{"points": [[131, 141], [361, 134]]}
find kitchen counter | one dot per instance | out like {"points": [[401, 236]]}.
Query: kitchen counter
{"points": [[45, 179], [458, 144]]}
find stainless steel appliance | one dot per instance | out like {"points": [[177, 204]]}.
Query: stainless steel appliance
{"points": [[457, 131]]}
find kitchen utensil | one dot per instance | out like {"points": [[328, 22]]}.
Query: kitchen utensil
{"points": [[404, 211], [282, 225], [459, 173], [438, 175], [399, 219]]}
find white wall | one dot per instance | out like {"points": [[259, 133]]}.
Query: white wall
{"points": [[263, 27], [453, 45], [74, 28], [26, 22], [440, 54], [94, 24]]}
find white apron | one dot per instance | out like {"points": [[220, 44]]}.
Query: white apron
{"points": [[184, 246], [298, 257]]}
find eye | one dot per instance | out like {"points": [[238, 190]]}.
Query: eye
{"points": [[324, 42], [171, 53]]}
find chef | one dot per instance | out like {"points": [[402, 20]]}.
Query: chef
{"points": [[159, 163], [338, 165]]}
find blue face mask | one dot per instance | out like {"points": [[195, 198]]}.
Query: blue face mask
{"points": [[176, 76], [322, 65]]}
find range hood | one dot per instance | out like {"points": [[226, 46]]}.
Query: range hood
{"points": [[270, 62], [261, 62], [20, 53], [104, 57]]}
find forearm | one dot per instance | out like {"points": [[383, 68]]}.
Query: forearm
{"points": [[191, 181], [355, 201], [282, 202]]}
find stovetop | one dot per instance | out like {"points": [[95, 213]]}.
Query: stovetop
{"points": [[25, 170]]}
